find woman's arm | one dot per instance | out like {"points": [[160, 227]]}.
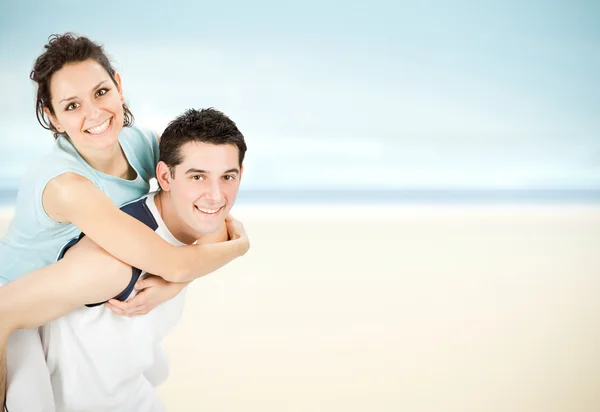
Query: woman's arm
{"points": [[73, 198], [3, 343], [155, 290], [86, 274]]}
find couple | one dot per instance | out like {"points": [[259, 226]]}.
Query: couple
{"points": [[92, 360]]}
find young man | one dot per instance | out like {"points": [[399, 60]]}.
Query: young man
{"points": [[99, 361]]}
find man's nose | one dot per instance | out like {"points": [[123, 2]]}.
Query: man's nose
{"points": [[215, 194]]}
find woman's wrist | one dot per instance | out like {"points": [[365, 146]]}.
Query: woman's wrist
{"points": [[243, 245]]}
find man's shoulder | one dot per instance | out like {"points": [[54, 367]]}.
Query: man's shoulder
{"points": [[139, 209]]}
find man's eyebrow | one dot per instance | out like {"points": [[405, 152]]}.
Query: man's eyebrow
{"points": [[193, 170], [75, 97]]}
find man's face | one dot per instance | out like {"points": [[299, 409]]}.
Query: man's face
{"points": [[204, 186]]}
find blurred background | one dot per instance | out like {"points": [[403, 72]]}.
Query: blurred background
{"points": [[421, 191], [362, 101]]}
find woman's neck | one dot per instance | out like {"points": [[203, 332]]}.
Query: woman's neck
{"points": [[111, 161]]}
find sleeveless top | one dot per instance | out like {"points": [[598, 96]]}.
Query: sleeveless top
{"points": [[34, 240]]}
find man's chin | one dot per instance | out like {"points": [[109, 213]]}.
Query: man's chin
{"points": [[208, 231]]}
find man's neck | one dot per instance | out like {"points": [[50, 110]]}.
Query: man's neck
{"points": [[172, 221]]}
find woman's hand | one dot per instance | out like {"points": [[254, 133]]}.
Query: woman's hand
{"points": [[236, 231], [153, 290]]}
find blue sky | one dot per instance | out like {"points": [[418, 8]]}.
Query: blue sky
{"points": [[384, 95]]}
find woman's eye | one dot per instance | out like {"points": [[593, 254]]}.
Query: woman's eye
{"points": [[101, 92], [72, 106]]}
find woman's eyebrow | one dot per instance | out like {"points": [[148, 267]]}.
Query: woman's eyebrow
{"points": [[74, 97], [99, 84]]}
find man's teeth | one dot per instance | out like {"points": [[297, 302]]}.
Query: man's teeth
{"points": [[208, 211], [99, 129]]}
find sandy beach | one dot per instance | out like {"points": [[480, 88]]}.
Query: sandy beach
{"points": [[396, 308]]}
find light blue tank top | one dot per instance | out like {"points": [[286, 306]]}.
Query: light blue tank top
{"points": [[33, 239]]}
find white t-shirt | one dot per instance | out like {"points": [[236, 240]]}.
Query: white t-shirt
{"points": [[99, 361]]}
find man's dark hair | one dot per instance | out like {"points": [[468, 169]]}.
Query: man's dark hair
{"points": [[207, 126], [60, 50]]}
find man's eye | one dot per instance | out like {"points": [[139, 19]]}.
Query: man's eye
{"points": [[228, 177], [197, 177]]}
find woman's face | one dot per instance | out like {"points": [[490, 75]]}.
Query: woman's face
{"points": [[88, 106]]}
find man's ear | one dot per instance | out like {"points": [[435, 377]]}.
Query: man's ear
{"points": [[163, 176], [53, 120], [241, 171]]}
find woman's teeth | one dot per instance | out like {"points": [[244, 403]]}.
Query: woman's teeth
{"points": [[99, 129]]}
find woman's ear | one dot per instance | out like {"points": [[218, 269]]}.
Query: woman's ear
{"points": [[53, 120], [117, 77]]}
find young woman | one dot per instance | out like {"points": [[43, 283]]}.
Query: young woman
{"points": [[99, 162]]}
